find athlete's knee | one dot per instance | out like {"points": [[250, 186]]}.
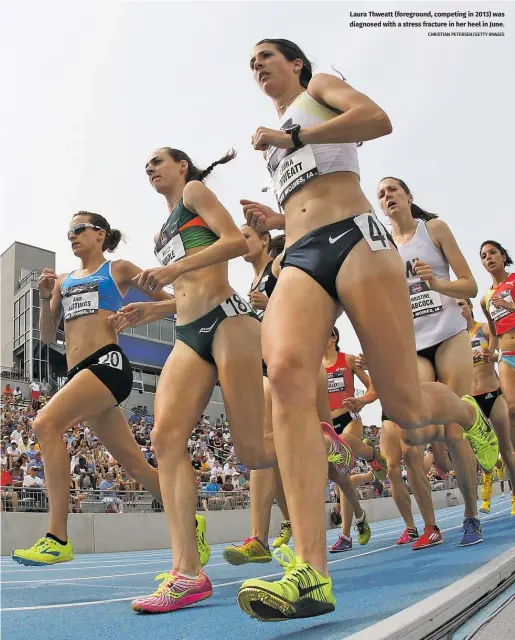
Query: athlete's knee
{"points": [[252, 457], [167, 440], [511, 412], [413, 459], [394, 470], [289, 379], [406, 414], [409, 437], [43, 426]]}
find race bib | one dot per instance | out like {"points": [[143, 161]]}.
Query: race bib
{"points": [[235, 306], [373, 231], [169, 247], [112, 359], [498, 313], [291, 169], [424, 301], [80, 300], [335, 382]]}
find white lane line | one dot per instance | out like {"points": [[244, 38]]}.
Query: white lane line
{"points": [[218, 586]]}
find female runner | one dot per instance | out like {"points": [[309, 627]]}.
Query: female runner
{"points": [[499, 308], [99, 375], [428, 249], [337, 254], [488, 394], [217, 338]]}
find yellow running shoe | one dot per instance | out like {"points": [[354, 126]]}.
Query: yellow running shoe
{"points": [[513, 505], [485, 507], [482, 437], [204, 550], [285, 535], [301, 593], [46, 551], [487, 488], [252, 550], [363, 529]]}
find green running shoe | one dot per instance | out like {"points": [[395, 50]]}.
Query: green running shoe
{"points": [[482, 437], [252, 550], [302, 592], [285, 535], [363, 529], [204, 550], [46, 551]]}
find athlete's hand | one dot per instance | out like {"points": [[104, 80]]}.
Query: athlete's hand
{"points": [[263, 138], [501, 303], [360, 361], [46, 282], [424, 272], [261, 217], [478, 356], [118, 322], [258, 300], [134, 314], [154, 280], [353, 404]]}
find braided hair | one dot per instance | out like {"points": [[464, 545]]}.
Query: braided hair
{"points": [[194, 173]]}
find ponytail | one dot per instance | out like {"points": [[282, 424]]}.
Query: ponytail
{"points": [[276, 245], [416, 211], [194, 173]]}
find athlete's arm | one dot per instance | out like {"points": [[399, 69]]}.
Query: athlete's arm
{"points": [[493, 353], [231, 243], [371, 394], [361, 119], [125, 273], [262, 217], [51, 310], [493, 340], [465, 286]]}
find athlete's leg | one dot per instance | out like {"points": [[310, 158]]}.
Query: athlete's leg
{"points": [[347, 490], [113, 431], [359, 479], [237, 353], [372, 287], [391, 449], [454, 368], [184, 389], [82, 398], [500, 422], [441, 456], [418, 482], [293, 345], [507, 379]]}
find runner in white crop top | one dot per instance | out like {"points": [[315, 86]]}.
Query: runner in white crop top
{"points": [[337, 254], [427, 248]]}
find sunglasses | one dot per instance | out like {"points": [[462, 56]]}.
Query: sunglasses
{"points": [[79, 228]]}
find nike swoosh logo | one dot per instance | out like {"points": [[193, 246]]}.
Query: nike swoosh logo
{"points": [[303, 591], [208, 329], [333, 240], [50, 553]]}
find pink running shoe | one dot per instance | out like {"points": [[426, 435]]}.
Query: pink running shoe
{"points": [[408, 535], [340, 454], [175, 592]]}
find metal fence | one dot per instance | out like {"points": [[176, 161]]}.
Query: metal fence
{"points": [[96, 501]]}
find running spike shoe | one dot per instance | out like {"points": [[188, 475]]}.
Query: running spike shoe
{"points": [[252, 550], [513, 505], [485, 507], [408, 535], [302, 592], [204, 550], [482, 437], [472, 533], [342, 544], [46, 551], [363, 529], [340, 454], [175, 592], [430, 538], [284, 536]]}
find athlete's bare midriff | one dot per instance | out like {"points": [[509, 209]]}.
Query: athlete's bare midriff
{"points": [[322, 201], [198, 292], [484, 379], [507, 341], [88, 334]]}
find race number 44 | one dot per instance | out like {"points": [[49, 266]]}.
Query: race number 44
{"points": [[373, 231]]}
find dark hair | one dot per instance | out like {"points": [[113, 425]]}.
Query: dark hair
{"points": [[113, 236], [292, 52], [507, 258], [336, 334], [416, 211], [194, 173], [276, 246]]}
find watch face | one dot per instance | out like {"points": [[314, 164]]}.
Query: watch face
{"points": [[292, 128]]}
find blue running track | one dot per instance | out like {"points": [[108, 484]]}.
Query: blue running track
{"points": [[90, 597]]}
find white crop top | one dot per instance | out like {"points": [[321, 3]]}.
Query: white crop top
{"points": [[436, 317], [290, 169]]}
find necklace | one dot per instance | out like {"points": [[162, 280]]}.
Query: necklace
{"points": [[295, 95]]}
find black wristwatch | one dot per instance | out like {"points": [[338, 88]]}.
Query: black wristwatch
{"points": [[294, 131]]}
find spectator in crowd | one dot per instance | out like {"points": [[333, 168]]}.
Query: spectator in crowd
{"points": [[38, 466], [7, 392], [24, 445], [85, 475], [12, 453], [108, 489], [17, 394], [6, 489], [31, 480], [17, 474], [34, 391], [3, 454], [17, 434]]}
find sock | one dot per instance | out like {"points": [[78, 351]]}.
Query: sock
{"points": [[186, 575], [360, 519], [345, 537], [52, 537]]}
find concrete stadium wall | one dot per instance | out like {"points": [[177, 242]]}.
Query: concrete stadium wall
{"points": [[103, 533]]}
